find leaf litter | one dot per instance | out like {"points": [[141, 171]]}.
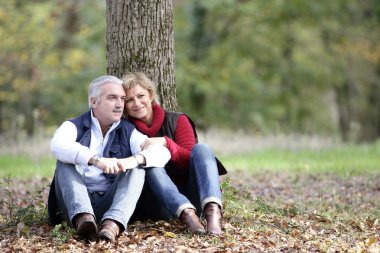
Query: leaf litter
{"points": [[264, 212]]}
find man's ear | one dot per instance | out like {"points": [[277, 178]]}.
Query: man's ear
{"points": [[93, 102]]}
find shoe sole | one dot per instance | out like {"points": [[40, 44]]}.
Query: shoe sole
{"points": [[105, 236], [87, 230]]}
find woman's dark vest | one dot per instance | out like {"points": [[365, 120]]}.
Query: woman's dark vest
{"points": [[168, 129]]}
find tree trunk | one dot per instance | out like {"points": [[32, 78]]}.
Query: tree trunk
{"points": [[343, 91], [343, 102], [370, 117], [140, 38]]}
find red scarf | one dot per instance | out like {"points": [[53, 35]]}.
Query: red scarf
{"points": [[158, 119]]}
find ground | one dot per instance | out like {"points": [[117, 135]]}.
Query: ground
{"points": [[264, 212]]}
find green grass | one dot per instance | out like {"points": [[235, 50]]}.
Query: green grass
{"points": [[351, 159], [25, 167]]}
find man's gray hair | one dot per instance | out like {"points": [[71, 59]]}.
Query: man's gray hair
{"points": [[96, 84]]}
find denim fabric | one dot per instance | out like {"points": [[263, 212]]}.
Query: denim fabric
{"points": [[166, 191], [118, 203], [202, 187], [150, 208]]}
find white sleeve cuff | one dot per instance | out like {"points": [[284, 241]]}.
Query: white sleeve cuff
{"points": [[156, 156]]}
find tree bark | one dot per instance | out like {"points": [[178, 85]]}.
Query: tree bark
{"points": [[140, 38]]}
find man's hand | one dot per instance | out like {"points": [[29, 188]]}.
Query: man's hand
{"points": [[109, 165], [153, 140], [114, 165]]}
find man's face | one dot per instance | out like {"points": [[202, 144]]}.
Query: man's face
{"points": [[108, 108]]}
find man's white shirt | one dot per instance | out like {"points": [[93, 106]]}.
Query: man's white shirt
{"points": [[64, 146]]}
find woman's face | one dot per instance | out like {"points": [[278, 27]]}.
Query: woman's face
{"points": [[138, 104]]}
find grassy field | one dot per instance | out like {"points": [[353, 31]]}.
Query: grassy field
{"points": [[26, 167], [340, 160], [26, 159]]}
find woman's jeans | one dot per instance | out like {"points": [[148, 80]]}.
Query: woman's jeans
{"points": [[118, 203], [203, 186]]}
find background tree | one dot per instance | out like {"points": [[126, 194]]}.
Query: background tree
{"points": [[140, 38]]}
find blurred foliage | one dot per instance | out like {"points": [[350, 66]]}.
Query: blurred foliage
{"points": [[281, 66], [266, 66], [50, 51]]}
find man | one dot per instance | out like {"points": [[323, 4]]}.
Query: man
{"points": [[99, 175]]}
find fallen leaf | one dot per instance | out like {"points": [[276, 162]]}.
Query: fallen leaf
{"points": [[170, 234]]}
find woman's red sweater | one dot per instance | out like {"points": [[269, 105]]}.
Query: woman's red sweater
{"points": [[184, 139]]}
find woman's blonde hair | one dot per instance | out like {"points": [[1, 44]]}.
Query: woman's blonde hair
{"points": [[130, 80]]}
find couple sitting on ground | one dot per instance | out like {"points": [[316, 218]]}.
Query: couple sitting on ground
{"points": [[146, 165]]}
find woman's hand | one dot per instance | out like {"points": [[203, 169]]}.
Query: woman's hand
{"points": [[153, 140]]}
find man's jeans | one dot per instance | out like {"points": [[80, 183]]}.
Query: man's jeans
{"points": [[118, 203], [202, 187]]}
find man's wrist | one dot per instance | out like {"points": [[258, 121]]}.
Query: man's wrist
{"points": [[94, 160]]}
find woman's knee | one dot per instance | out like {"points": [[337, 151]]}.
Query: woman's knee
{"points": [[201, 149], [155, 172]]}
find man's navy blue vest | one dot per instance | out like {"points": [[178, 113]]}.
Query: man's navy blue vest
{"points": [[118, 142], [117, 146]]}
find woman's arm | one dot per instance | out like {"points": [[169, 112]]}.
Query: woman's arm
{"points": [[155, 155], [184, 140]]}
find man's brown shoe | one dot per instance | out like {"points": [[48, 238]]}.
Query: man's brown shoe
{"points": [[213, 216], [109, 230], [85, 225], [191, 220]]}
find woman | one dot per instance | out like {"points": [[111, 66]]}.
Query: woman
{"points": [[189, 183]]}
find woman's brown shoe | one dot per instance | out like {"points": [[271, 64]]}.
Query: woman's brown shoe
{"points": [[191, 220], [213, 216], [109, 230]]}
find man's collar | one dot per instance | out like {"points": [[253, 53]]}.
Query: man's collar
{"points": [[95, 122]]}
